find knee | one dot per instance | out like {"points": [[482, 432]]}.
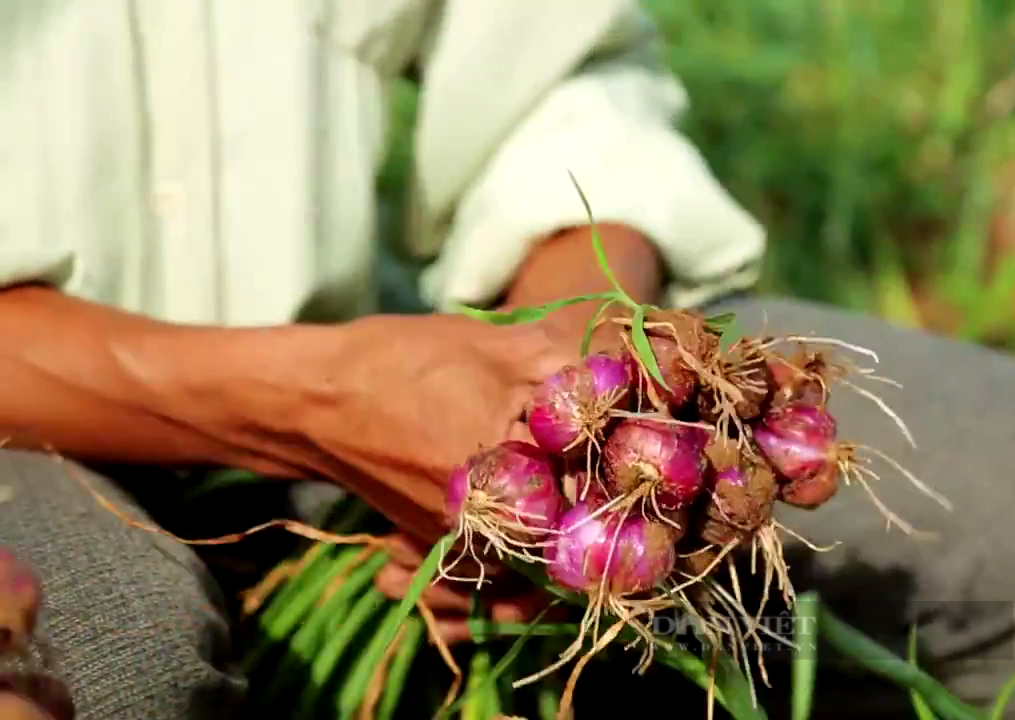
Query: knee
{"points": [[130, 620]]}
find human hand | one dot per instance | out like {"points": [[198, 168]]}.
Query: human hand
{"points": [[419, 395], [510, 598]]}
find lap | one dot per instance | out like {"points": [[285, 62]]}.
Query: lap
{"points": [[959, 402], [132, 621]]}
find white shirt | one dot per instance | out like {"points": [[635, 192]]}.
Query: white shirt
{"points": [[214, 161]]}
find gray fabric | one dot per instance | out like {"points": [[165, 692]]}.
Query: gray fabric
{"points": [[959, 402], [137, 630], [132, 619]]}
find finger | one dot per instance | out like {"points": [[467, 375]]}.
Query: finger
{"points": [[522, 608], [406, 550], [395, 580], [452, 631], [15, 707]]}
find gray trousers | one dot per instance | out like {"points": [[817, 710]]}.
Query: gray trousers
{"points": [[137, 627]]}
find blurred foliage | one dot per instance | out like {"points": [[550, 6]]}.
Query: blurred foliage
{"points": [[875, 139]]}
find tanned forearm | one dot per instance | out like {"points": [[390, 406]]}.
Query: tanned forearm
{"points": [[98, 384], [565, 265]]}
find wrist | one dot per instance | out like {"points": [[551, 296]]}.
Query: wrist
{"points": [[241, 389], [565, 265]]}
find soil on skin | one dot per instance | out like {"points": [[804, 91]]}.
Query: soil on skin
{"points": [[697, 563], [798, 378], [732, 512]]}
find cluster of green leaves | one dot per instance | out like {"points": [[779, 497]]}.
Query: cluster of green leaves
{"points": [[724, 325]]}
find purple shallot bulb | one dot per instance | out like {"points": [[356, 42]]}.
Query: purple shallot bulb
{"points": [[632, 554], [511, 485], [573, 405], [799, 440], [668, 456]]}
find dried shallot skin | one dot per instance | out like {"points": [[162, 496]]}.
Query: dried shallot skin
{"points": [[799, 379], [812, 492], [681, 381]]}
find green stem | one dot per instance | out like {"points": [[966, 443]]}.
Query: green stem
{"points": [[331, 654], [805, 659], [882, 662], [400, 666]]}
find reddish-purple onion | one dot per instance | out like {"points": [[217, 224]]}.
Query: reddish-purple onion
{"points": [[799, 440], [681, 380], [516, 476], [20, 597], [669, 456], [575, 403], [643, 553]]}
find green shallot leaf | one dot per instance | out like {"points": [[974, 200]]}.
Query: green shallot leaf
{"points": [[221, 480], [1003, 698], [721, 320], [424, 576], [587, 340], [548, 701], [597, 243], [477, 694], [313, 627], [805, 657], [919, 706], [398, 673], [354, 688], [328, 657], [731, 333], [522, 315], [642, 346], [876, 659], [483, 630], [732, 690]]}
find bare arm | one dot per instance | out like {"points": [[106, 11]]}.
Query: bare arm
{"points": [[100, 384]]}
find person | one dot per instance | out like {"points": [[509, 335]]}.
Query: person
{"points": [[186, 181]]}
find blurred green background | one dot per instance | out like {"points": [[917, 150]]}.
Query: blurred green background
{"points": [[874, 138]]}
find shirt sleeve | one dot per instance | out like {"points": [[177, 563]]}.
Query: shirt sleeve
{"points": [[44, 74], [609, 119]]}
